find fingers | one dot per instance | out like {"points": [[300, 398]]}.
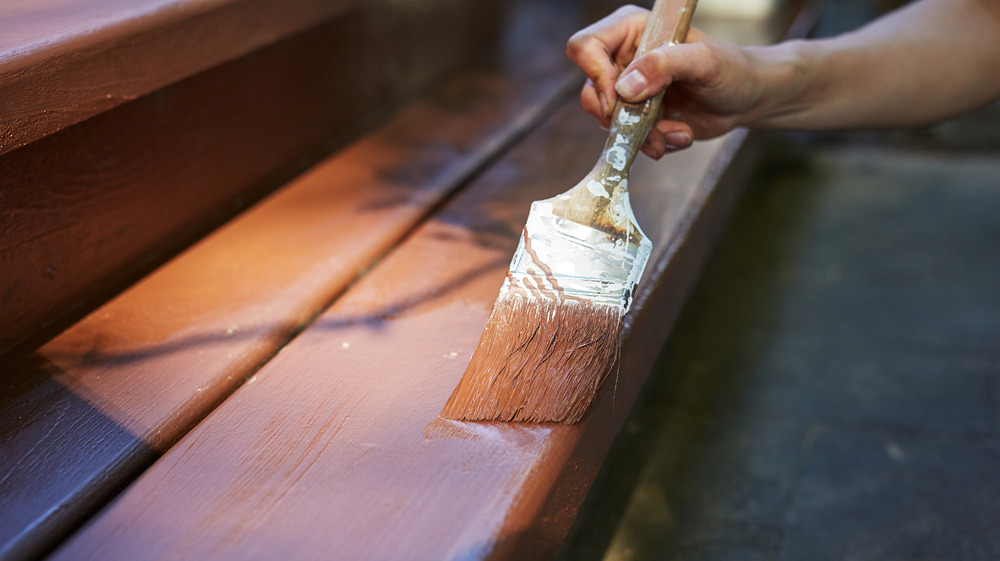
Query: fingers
{"points": [[605, 52], [592, 104], [601, 73], [602, 49], [652, 72], [666, 137]]}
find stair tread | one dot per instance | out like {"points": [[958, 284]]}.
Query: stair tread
{"points": [[335, 444], [95, 405], [62, 63]]}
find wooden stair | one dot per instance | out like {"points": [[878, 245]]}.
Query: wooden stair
{"points": [[273, 388]]}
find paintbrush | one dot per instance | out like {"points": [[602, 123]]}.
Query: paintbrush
{"points": [[555, 330]]}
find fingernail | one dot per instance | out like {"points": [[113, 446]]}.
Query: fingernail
{"points": [[604, 104], [677, 140], [631, 84]]}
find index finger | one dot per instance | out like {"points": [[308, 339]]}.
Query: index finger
{"points": [[606, 46]]}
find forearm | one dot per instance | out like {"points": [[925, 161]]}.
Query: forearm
{"points": [[927, 61]]}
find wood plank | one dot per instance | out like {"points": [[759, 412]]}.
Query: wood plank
{"points": [[87, 211], [61, 63], [87, 411], [335, 448]]}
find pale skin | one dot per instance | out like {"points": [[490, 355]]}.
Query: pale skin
{"points": [[924, 62]]}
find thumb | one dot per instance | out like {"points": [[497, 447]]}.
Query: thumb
{"points": [[652, 72]]}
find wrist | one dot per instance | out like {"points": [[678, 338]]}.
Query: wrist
{"points": [[780, 78]]}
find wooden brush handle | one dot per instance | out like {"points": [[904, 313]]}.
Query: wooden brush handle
{"points": [[630, 122]]}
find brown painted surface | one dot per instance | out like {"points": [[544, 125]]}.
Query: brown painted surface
{"points": [[538, 360], [334, 448], [62, 62], [82, 415], [86, 211]]}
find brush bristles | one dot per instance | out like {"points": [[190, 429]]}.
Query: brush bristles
{"points": [[539, 360]]}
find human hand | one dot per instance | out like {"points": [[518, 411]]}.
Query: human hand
{"points": [[711, 83]]}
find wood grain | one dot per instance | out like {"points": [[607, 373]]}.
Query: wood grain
{"points": [[87, 411], [335, 448], [86, 211], [61, 62]]}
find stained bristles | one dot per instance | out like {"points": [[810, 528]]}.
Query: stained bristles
{"points": [[539, 360]]}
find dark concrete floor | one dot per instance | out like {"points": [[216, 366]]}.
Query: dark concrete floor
{"points": [[832, 389]]}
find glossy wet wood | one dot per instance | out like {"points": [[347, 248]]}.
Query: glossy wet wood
{"points": [[87, 411], [62, 63], [335, 448], [88, 210]]}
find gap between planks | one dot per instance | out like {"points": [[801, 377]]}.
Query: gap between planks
{"points": [[335, 445], [101, 400]]}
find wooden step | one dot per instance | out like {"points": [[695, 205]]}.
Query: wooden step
{"points": [[86, 211], [59, 66], [334, 448], [89, 410]]}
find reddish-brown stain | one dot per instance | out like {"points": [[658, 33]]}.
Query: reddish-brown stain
{"points": [[86, 211], [539, 359], [61, 65], [335, 446], [334, 449], [82, 414]]}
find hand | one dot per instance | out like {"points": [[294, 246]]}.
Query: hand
{"points": [[711, 87]]}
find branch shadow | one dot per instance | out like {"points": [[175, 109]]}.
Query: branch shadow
{"points": [[283, 331]]}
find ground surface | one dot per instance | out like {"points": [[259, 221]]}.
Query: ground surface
{"points": [[832, 390]]}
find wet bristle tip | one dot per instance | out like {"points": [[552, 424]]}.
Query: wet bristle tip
{"points": [[539, 360]]}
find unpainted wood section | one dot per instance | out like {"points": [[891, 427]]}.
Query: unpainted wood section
{"points": [[96, 404], [85, 211], [334, 448], [62, 62]]}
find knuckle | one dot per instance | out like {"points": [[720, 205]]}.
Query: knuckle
{"points": [[704, 54], [711, 67], [701, 50], [702, 64], [575, 44], [657, 60], [582, 45]]}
